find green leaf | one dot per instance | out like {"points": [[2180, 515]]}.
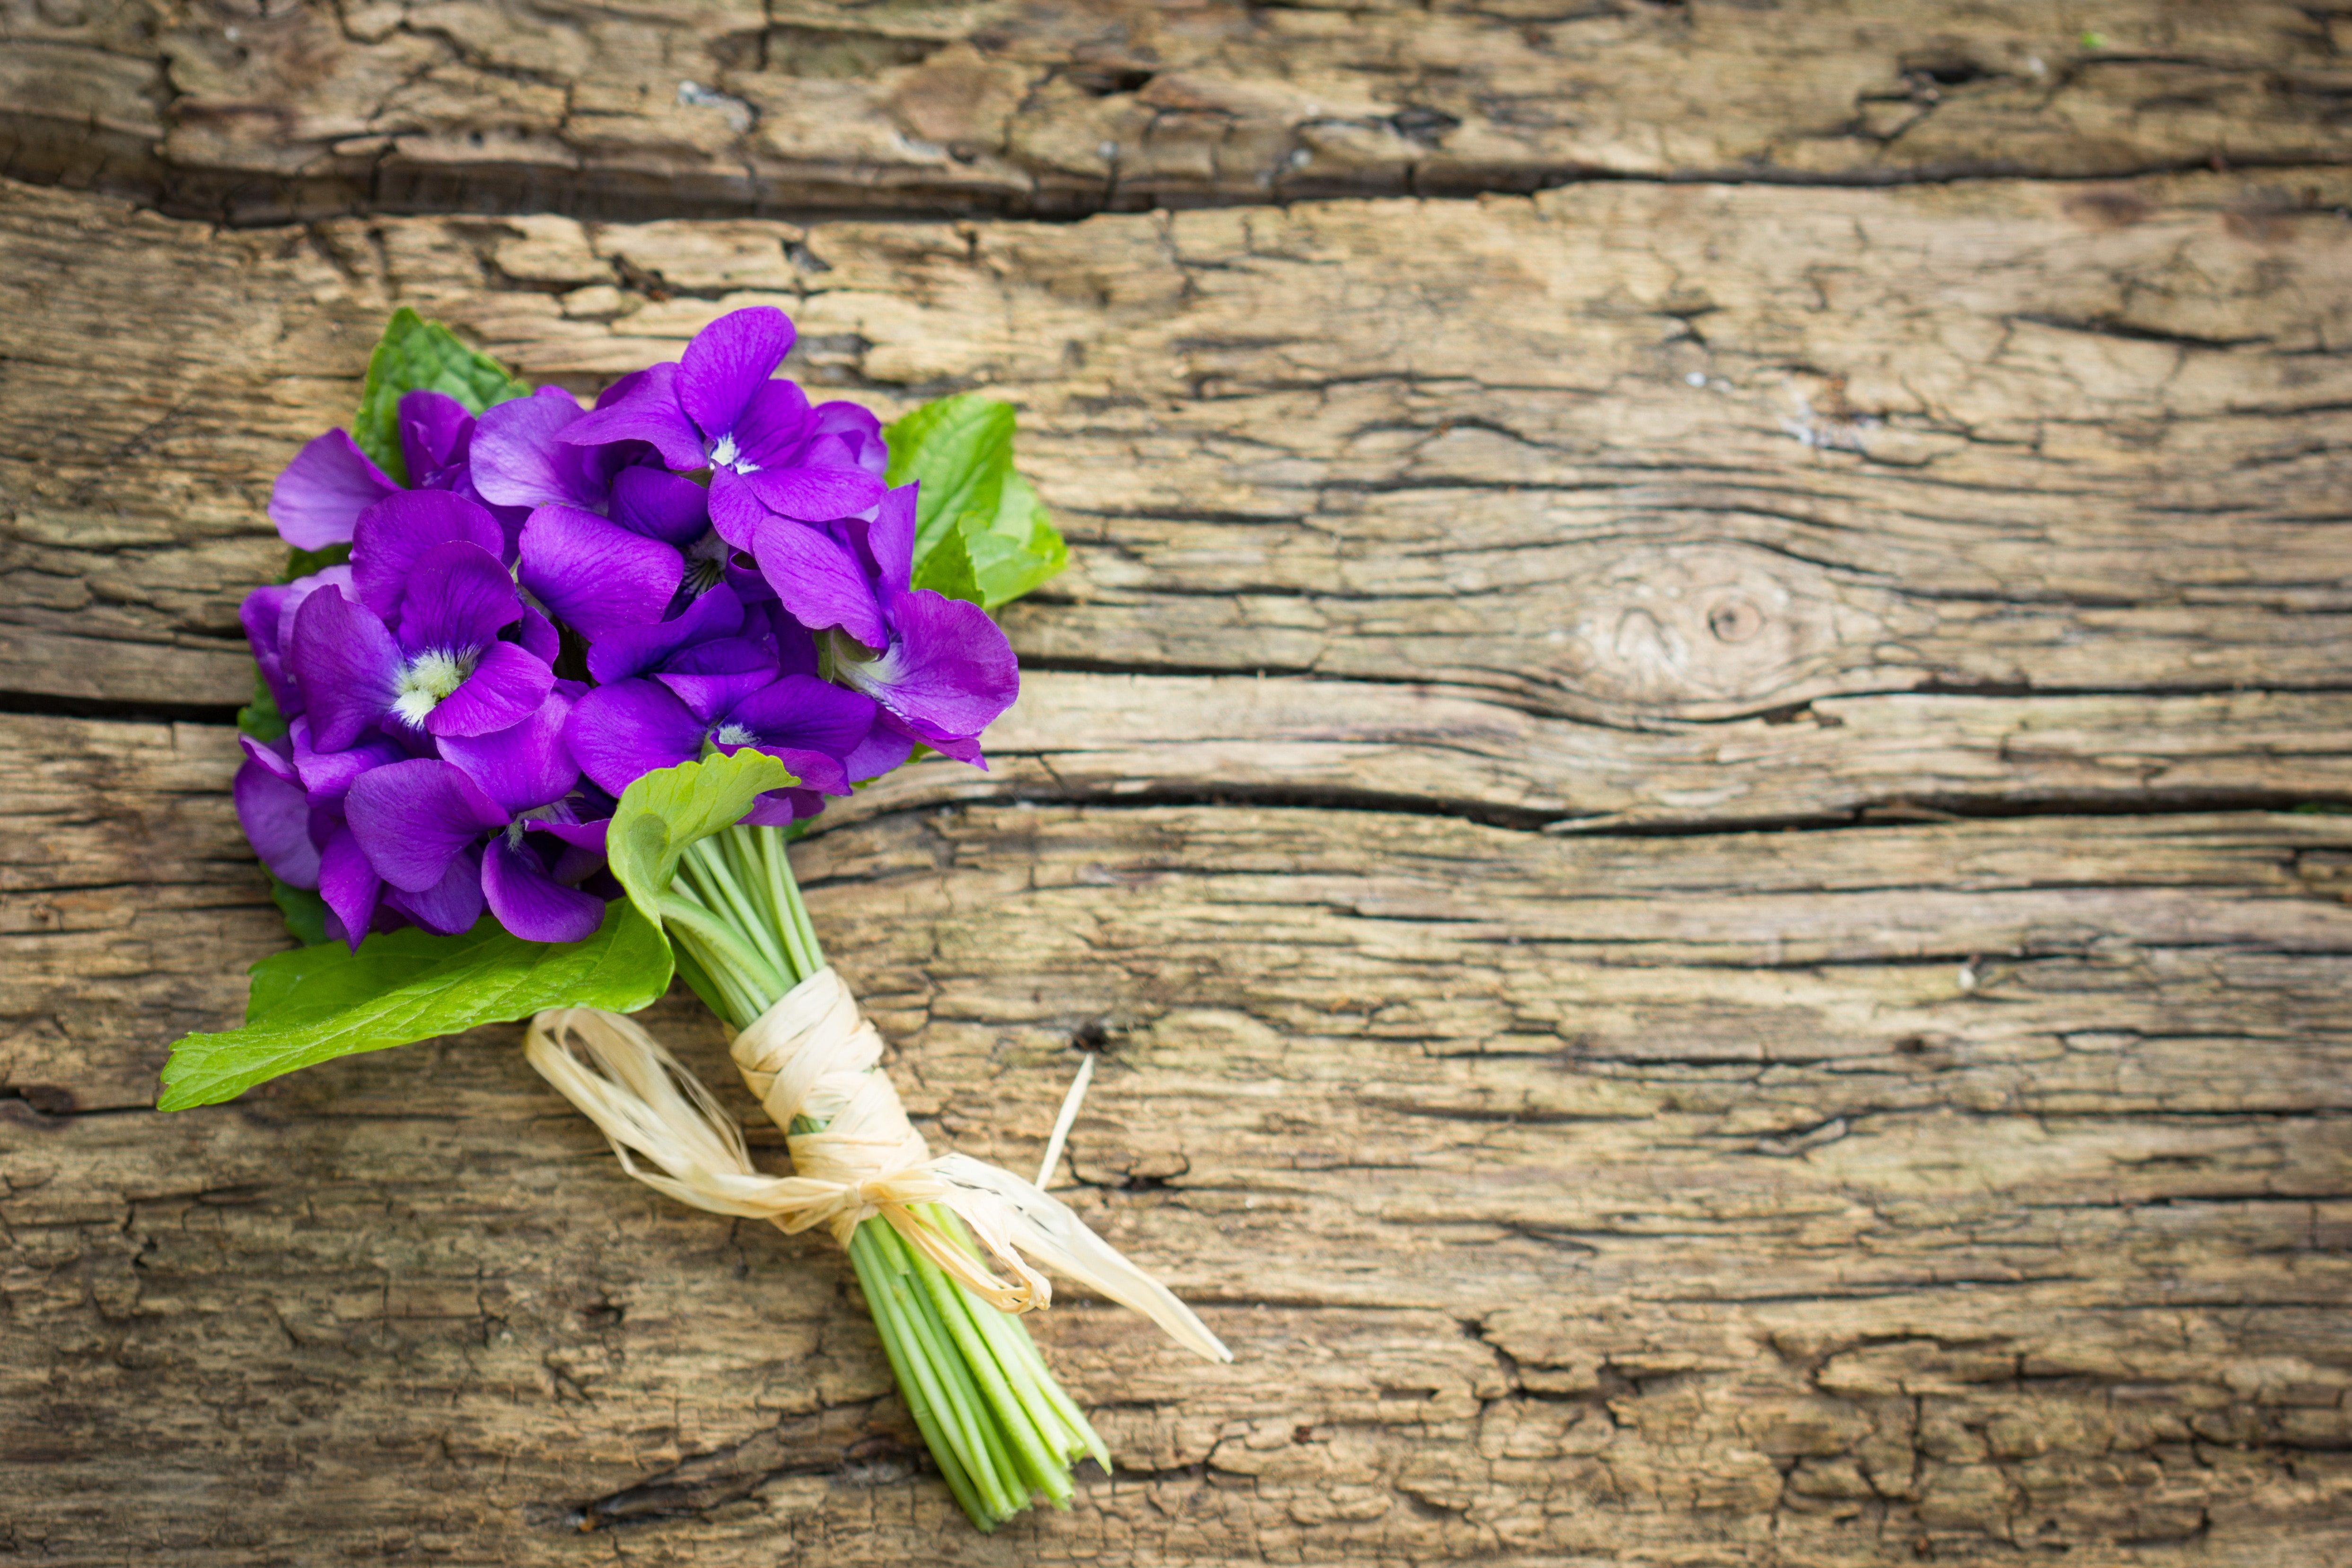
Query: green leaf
{"points": [[260, 719], [305, 911], [947, 569], [416, 354], [981, 532], [304, 562], [668, 809], [315, 1004], [1019, 549], [960, 448]]}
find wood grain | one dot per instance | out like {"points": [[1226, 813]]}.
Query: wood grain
{"points": [[1938, 438], [258, 113], [1677, 803], [1786, 1194]]}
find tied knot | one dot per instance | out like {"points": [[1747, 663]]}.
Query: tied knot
{"points": [[813, 1061]]}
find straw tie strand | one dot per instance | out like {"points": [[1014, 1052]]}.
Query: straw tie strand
{"points": [[813, 1061]]}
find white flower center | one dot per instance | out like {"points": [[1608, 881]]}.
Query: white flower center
{"points": [[842, 657], [429, 678], [727, 455], [732, 735]]}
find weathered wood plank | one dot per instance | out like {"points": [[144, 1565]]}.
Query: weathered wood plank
{"points": [[1769, 1198], [1968, 437], [1915, 1191], [259, 112], [125, 880]]}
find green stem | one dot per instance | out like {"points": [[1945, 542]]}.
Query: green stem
{"points": [[723, 955], [1041, 1468], [935, 1380], [728, 899], [1001, 1429], [871, 1279]]}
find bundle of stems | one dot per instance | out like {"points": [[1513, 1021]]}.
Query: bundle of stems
{"points": [[999, 1426]]}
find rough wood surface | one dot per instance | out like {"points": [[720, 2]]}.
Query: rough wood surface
{"points": [[1786, 1198], [259, 111], [1620, 453], [1672, 801]]}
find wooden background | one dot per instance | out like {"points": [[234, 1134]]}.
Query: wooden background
{"points": [[1668, 774]]}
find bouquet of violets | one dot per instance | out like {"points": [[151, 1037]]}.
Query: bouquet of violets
{"points": [[543, 695]]}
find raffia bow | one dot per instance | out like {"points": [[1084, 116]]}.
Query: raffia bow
{"points": [[814, 1055]]}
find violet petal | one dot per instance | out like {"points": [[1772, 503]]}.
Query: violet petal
{"points": [[458, 597], [588, 836], [347, 664], [660, 505], [621, 731], [626, 387], [726, 364], [815, 494], [524, 766], [813, 770], [348, 884], [773, 427], [300, 589], [260, 613], [539, 636], [413, 818], [519, 458], [804, 712], [795, 644], [531, 904], [819, 581], [949, 668], [632, 650], [435, 432], [327, 776], [319, 496], [503, 689], [890, 540], [275, 756], [595, 575], [450, 906], [884, 750], [778, 808], [647, 412], [711, 677], [573, 865], [961, 748], [395, 532], [858, 430], [735, 510], [276, 817]]}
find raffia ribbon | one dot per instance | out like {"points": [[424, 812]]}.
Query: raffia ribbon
{"points": [[814, 1055]]}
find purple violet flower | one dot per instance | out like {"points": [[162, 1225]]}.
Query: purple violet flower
{"points": [[267, 617], [424, 562], [519, 457], [939, 667], [610, 540], [420, 826], [435, 765], [721, 694], [324, 491], [767, 450], [318, 501], [275, 813]]}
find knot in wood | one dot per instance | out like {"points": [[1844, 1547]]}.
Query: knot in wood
{"points": [[1696, 630]]}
